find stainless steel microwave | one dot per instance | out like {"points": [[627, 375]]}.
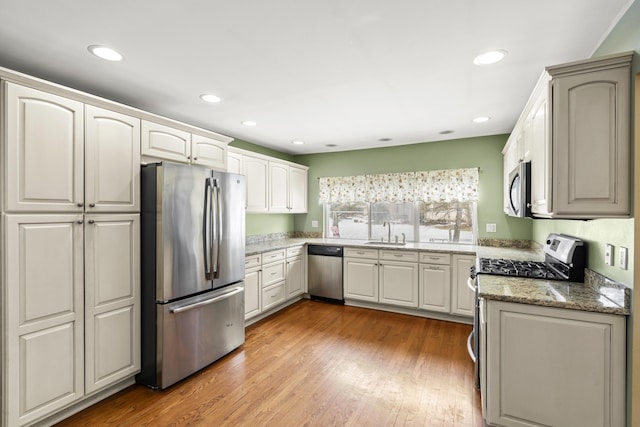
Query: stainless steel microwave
{"points": [[520, 190]]}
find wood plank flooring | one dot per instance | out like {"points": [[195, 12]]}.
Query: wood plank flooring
{"points": [[317, 364]]}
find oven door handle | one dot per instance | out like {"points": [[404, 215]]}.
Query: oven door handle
{"points": [[470, 284], [470, 347]]}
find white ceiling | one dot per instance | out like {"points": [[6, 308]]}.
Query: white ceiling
{"points": [[344, 72]]}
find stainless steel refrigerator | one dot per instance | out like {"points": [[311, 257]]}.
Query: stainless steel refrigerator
{"points": [[192, 246]]}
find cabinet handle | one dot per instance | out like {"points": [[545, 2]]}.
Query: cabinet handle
{"points": [[360, 253], [92, 205], [80, 204], [91, 221], [195, 158], [80, 221], [398, 256], [434, 257]]}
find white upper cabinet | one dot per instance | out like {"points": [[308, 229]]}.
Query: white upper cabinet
{"points": [[112, 165], [208, 152], [257, 172], [273, 185], [165, 142], [298, 189], [168, 143], [278, 187], [578, 120], [44, 158]]}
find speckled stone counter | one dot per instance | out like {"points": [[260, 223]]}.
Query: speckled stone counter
{"points": [[271, 245], [597, 294]]}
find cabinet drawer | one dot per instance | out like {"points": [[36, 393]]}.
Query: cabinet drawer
{"points": [[253, 261], [399, 256], [272, 256], [361, 253], [272, 273], [295, 251], [272, 296], [435, 258]]}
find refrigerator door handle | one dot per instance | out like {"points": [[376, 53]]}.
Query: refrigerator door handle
{"points": [[217, 230], [208, 301], [207, 229]]}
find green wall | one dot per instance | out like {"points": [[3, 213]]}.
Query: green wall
{"points": [[483, 152], [625, 36]]}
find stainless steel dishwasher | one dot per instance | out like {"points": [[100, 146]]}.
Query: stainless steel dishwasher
{"points": [[325, 273]]}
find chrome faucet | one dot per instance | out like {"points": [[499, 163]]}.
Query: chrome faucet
{"points": [[388, 224]]}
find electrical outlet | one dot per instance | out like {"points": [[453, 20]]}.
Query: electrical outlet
{"points": [[314, 224], [608, 254], [491, 228], [624, 253]]}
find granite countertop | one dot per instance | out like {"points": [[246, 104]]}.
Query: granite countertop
{"points": [[596, 294], [272, 245]]}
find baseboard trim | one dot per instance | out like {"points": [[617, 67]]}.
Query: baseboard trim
{"points": [[410, 311]]}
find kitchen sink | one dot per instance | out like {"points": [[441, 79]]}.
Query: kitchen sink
{"points": [[377, 242]]}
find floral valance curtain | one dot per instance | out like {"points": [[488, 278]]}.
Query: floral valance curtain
{"points": [[425, 186]]}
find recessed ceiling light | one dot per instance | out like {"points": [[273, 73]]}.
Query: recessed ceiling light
{"points": [[105, 53], [490, 57], [384, 139], [208, 97], [481, 119], [297, 142], [249, 123], [445, 132]]}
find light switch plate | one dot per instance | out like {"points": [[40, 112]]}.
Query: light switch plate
{"points": [[491, 228], [608, 254], [624, 254], [314, 224]]}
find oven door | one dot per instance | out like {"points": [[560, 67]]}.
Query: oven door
{"points": [[520, 190]]}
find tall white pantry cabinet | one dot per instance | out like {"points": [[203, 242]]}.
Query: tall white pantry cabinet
{"points": [[70, 251]]}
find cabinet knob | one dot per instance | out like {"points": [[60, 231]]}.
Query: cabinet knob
{"points": [[188, 157], [91, 221], [80, 204], [92, 205], [79, 221], [195, 158]]}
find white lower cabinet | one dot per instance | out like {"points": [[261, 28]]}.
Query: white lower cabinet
{"points": [[361, 279], [552, 367], [43, 348], [252, 285], [462, 297], [399, 283], [435, 287], [112, 299], [273, 278], [71, 311]]}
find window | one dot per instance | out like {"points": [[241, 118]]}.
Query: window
{"points": [[438, 222]]}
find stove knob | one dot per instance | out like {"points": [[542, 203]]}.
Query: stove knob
{"points": [[548, 242]]}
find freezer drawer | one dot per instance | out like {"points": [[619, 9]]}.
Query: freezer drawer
{"points": [[195, 332]]}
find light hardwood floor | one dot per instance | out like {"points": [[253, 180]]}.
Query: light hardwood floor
{"points": [[317, 364]]}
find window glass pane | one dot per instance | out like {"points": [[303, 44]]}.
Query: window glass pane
{"points": [[347, 220], [400, 216], [447, 222]]}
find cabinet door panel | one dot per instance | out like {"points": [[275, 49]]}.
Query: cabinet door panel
{"points": [[234, 163], [45, 142], [257, 173], [112, 253], [112, 166], [278, 187], [44, 314], [294, 280], [595, 108], [462, 298], [361, 279], [399, 283], [435, 287], [541, 156], [209, 152], [297, 190], [252, 293], [49, 377], [164, 142]]}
